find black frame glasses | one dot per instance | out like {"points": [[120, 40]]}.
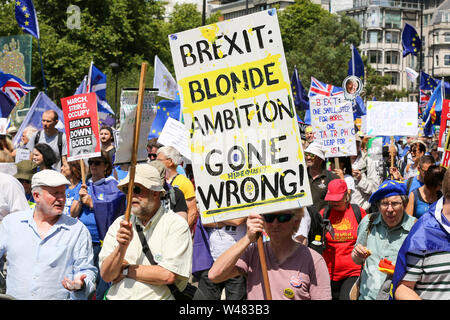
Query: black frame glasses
{"points": [[282, 218]]}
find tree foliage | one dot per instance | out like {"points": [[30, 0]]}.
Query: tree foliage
{"points": [[129, 32]]}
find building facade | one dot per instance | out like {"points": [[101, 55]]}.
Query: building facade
{"points": [[382, 22]]}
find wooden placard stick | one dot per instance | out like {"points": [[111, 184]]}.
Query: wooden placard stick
{"points": [[262, 260], [336, 163], [83, 171], [137, 127]]}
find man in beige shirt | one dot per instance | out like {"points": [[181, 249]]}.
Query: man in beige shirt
{"points": [[122, 259]]}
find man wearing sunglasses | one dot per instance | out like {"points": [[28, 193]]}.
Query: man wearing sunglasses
{"points": [[122, 259], [295, 271], [319, 177]]}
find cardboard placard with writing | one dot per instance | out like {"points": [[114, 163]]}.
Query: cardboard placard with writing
{"points": [[81, 125], [235, 92]]}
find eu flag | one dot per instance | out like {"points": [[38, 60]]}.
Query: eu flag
{"points": [[165, 109], [301, 99], [432, 114], [355, 64], [411, 41], [26, 17], [427, 82]]}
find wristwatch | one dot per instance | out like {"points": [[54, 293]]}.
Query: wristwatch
{"points": [[125, 270]]}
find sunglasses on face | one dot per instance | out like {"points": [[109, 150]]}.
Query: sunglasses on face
{"points": [[285, 217], [152, 156], [95, 162], [312, 156], [136, 190]]}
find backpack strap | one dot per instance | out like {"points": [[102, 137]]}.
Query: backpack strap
{"points": [[36, 137], [357, 212], [408, 185], [60, 134], [355, 208]]}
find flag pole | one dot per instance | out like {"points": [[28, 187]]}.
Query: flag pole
{"points": [[137, 127], [42, 65]]}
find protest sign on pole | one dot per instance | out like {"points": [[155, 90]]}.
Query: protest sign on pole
{"points": [[135, 142], [81, 125], [333, 126], [128, 109], [392, 118], [237, 104], [445, 124], [445, 162]]}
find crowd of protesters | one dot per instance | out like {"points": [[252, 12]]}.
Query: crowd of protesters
{"points": [[376, 229]]}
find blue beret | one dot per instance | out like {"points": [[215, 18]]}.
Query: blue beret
{"points": [[387, 189]]}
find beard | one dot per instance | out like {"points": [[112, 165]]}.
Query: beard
{"points": [[143, 209]]}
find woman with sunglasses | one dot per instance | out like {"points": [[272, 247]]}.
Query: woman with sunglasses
{"points": [[100, 202], [295, 271]]}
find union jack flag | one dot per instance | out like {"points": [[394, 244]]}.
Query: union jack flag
{"points": [[11, 90], [319, 88], [424, 98]]}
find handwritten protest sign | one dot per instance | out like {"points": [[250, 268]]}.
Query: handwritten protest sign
{"points": [[392, 118], [333, 126], [237, 104], [81, 125], [176, 135], [128, 104]]}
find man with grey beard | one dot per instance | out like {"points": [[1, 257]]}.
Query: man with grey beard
{"points": [[122, 259]]}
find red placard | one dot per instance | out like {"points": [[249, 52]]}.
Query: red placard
{"points": [[81, 124], [445, 123]]}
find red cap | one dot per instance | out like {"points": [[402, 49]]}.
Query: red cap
{"points": [[336, 190]]}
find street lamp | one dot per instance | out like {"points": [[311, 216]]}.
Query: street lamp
{"points": [[115, 69]]}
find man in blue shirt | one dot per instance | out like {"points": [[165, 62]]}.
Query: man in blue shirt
{"points": [[49, 254]]}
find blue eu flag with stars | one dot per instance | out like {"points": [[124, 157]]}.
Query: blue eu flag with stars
{"points": [[411, 41], [26, 17]]}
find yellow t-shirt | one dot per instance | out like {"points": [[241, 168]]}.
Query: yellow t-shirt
{"points": [[185, 185]]}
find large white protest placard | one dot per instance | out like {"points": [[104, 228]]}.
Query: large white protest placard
{"points": [[333, 125], [176, 135], [128, 108], [237, 104], [392, 118]]}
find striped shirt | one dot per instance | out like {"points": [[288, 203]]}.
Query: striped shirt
{"points": [[431, 272]]}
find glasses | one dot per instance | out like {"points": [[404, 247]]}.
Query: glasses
{"points": [[394, 205], [95, 162], [136, 190], [282, 218], [311, 155], [152, 156], [413, 150]]}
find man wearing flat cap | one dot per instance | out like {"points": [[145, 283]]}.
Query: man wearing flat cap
{"points": [[380, 235], [49, 254], [122, 259]]}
